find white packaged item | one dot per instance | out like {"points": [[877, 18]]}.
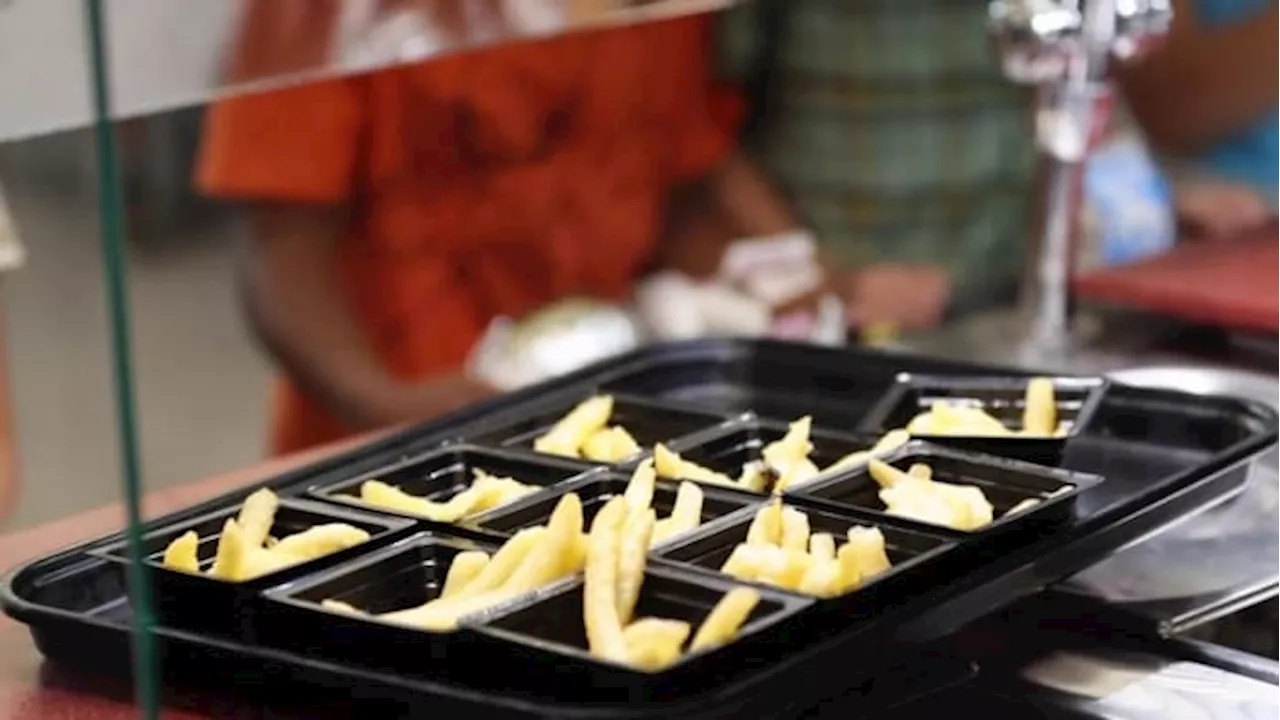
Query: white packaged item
{"points": [[1128, 205], [725, 311], [668, 305], [559, 339], [751, 256]]}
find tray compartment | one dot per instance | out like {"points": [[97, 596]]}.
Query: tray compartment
{"points": [[1001, 397], [910, 551], [1004, 482], [202, 603], [406, 574], [545, 637], [649, 422], [441, 474], [741, 441], [595, 491]]}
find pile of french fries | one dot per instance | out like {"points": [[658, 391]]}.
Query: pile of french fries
{"points": [[475, 582], [585, 433], [781, 551], [783, 465], [916, 495], [614, 575], [246, 550], [485, 493], [537, 556], [686, 512], [959, 418]]}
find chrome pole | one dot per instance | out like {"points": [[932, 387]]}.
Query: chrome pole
{"points": [[1065, 49]]}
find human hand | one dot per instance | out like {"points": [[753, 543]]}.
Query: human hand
{"points": [[1219, 211], [911, 297]]}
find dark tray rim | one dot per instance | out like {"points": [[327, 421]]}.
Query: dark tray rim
{"points": [[325, 493], [874, 420]]}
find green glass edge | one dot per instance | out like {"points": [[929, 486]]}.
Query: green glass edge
{"points": [[112, 226]]}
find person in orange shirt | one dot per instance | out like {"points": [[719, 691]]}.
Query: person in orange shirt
{"points": [[396, 213]]}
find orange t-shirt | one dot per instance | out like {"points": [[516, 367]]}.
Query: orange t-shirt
{"points": [[482, 184]]}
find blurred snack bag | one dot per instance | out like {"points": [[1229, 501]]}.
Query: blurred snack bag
{"points": [[1127, 203]]}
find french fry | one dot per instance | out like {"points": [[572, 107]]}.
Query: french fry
{"points": [[850, 568], [493, 491], [785, 568], [1040, 411], [639, 492], [920, 471], [466, 566], [686, 513], [795, 530], [969, 505], [257, 515], [637, 531], [319, 541], [260, 561], [725, 619], [867, 546], [340, 607], [443, 615], [505, 562], [670, 465], [891, 441], [822, 546], [531, 558], [376, 492], [822, 579], [567, 436], [886, 475], [654, 643], [544, 563], [799, 474], [746, 562], [600, 586], [766, 528], [853, 459], [916, 501], [229, 562], [611, 444], [181, 553], [576, 558], [793, 447], [976, 421]]}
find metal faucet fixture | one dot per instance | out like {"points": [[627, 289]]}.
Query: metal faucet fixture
{"points": [[1065, 49]]}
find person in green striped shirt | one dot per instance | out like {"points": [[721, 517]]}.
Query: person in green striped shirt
{"points": [[891, 128]]}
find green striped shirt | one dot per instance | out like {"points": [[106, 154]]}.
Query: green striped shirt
{"points": [[894, 132]]}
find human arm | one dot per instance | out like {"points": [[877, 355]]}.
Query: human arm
{"points": [[1202, 82], [289, 287], [291, 156]]}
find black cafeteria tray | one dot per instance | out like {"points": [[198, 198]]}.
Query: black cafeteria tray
{"points": [[1162, 454]]}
